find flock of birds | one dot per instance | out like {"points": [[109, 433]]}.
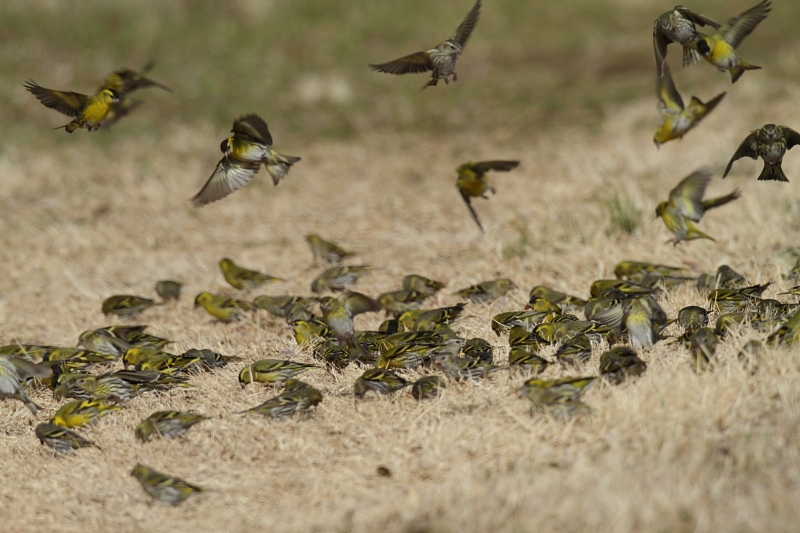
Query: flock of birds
{"points": [[622, 312]]}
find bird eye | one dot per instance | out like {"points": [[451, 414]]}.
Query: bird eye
{"points": [[224, 146]]}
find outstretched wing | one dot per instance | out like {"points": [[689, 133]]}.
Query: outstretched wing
{"points": [[253, 126], [503, 166], [687, 197], [740, 26], [65, 102], [229, 176], [471, 210], [464, 29], [660, 42], [697, 18], [668, 96], [412, 63], [748, 148], [791, 136]]}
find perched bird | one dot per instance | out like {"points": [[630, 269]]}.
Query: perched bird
{"points": [[705, 282], [339, 278], [692, 317], [421, 284], [13, 371], [210, 359], [136, 354], [244, 152], [719, 49], [473, 182], [639, 322], [80, 413], [686, 205], [678, 119], [428, 387], [166, 424], [126, 305], [441, 60], [620, 363], [242, 278], [89, 111], [770, 143], [528, 361], [678, 26], [555, 297], [576, 350], [272, 371], [169, 290], [297, 399], [398, 301], [107, 387], [162, 488], [427, 320], [487, 290], [62, 440], [379, 380], [221, 307], [326, 251]]}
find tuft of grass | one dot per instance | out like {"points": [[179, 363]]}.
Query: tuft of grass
{"points": [[625, 216]]}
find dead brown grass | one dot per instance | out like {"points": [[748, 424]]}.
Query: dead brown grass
{"points": [[673, 451]]}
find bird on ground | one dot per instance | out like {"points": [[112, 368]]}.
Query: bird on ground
{"points": [[626, 269], [686, 206], [338, 313], [162, 488], [487, 291], [560, 397], [441, 60], [326, 251], [222, 307], [576, 350], [770, 143], [421, 284], [555, 297], [296, 399], [126, 305], [339, 278], [620, 363], [678, 119], [428, 387], [241, 278], [380, 380], [692, 317], [13, 371], [168, 289], [80, 413], [244, 152], [166, 424], [678, 26], [528, 361], [473, 182], [62, 440], [719, 49], [396, 302], [272, 371], [89, 111]]}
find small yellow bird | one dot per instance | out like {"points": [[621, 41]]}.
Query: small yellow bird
{"points": [[272, 371], [488, 290], [678, 119], [222, 307], [719, 49], [686, 205], [326, 251], [62, 440], [162, 488], [242, 278], [770, 143], [421, 284], [89, 111], [339, 278], [81, 413], [169, 290], [472, 181], [244, 152], [126, 305]]}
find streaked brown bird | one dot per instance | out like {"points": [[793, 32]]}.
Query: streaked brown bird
{"points": [[678, 26], [770, 143]]}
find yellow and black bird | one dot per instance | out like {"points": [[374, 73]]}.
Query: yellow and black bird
{"points": [[678, 26], [678, 119], [326, 251], [222, 307], [126, 305], [244, 152], [770, 143], [89, 111], [473, 182], [13, 371], [719, 49], [162, 488], [441, 60], [125, 81], [243, 278], [686, 205]]}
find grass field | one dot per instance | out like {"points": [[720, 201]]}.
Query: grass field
{"points": [[567, 90]]}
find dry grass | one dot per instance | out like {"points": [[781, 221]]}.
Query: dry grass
{"points": [[85, 217]]}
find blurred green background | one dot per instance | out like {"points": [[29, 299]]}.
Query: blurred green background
{"points": [[302, 64]]}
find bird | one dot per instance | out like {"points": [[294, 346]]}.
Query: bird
{"points": [[428, 387], [296, 398], [339, 278], [100, 341], [528, 361], [560, 396], [242, 278], [427, 320], [125, 81], [441, 60], [396, 302], [80, 413], [473, 182], [625, 269], [422, 285], [272, 371], [162, 488], [326, 251], [13, 371], [678, 26], [338, 313], [306, 331], [168, 289], [89, 111], [126, 305], [620, 363], [244, 152], [554, 297], [221, 307], [487, 291], [380, 380], [692, 317], [686, 205], [281, 306], [678, 119], [166, 424], [62, 440], [576, 350], [770, 143], [719, 49], [477, 348]]}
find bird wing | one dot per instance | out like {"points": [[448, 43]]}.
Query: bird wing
{"points": [[467, 201], [253, 126], [357, 303], [229, 176], [660, 42], [66, 102], [791, 136], [503, 166], [412, 63], [668, 95], [687, 197], [748, 148], [464, 29], [741, 25], [697, 18]]}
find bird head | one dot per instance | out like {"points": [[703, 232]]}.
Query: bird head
{"points": [[202, 298], [226, 146], [660, 209], [111, 95], [703, 47], [770, 131], [451, 47]]}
